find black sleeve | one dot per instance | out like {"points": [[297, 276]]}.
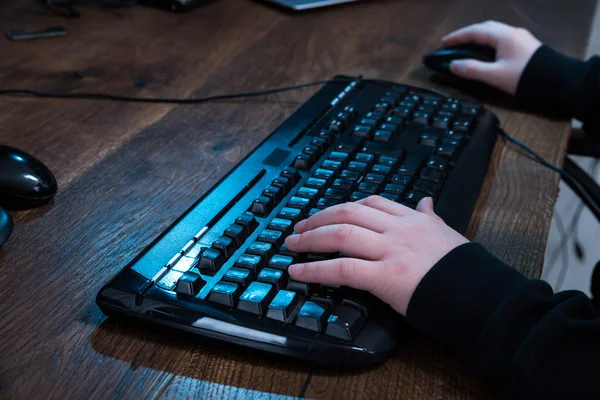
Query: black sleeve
{"points": [[535, 344], [562, 86]]}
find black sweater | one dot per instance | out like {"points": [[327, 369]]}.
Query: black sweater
{"points": [[536, 344]]}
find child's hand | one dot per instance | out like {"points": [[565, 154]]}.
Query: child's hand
{"points": [[514, 48], [389, 247]]}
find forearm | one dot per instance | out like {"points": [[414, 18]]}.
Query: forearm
{"points": [[562, 86], [536, 344]]}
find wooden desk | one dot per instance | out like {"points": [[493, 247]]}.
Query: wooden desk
{"points": [[126, 171]]}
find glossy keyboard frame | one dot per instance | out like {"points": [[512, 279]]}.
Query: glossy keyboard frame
{"points": [[134, 292]]}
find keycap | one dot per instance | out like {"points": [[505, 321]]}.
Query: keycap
{"points": [[308, 193], [429, 139], [402, 112], [414, 97], [414, 196], [303, 288], [368, 122], [270, 236], [446, 113], [455, 134], [337, 194], [392, 128], [284, 183], [343, 116], [401, 179], [366, 158], [357, 166], [225, 293], [328, 136], [240, 276], [438, 162], [256, 298], [338, 156], [313, 151], [374, 178], [394, 188], [427, 186], [292, 174], [390, 196], [336, 126], [262, 206], [283, 306], [250, 262], [274, 277], [351, 111], [284, 251], [315, 183], [319, 143], [280, 262], [421, 117], [382, 136], [324, 203], [411, 165], [280, 224], [348, 145], [313, 211], [248, 222], [275, 192], [261, 249], [442, 122], [453, 141], [473, 111], [344, 323], [359, 196], [302, 162], [448, 151], [211, 260], [363, 131], [426, 108], [225, 245], [332, 165], [381, 169], [432, 102], [350, 175], [189, 284], [433, 174], [343, 184], [381, 107], [312, 316], [236, 233], [368, 188], [394, 120], [324, 174], [374, 115], [391, 100], [293, 214], [299, 202]]}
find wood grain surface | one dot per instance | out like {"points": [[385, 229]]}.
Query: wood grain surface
{"points": [[126, 171]]}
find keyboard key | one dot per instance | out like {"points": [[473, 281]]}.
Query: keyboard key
{"points": [[240, 276], [292, 174], [391, 100], [319, 143], [414, 196], [313, 211], [402, 112], [421, 117], [366, 158], [261, 249], [308, 193], [293, 214], [280, 224], [328, 136], [448, 151], [426, 108], [324, 203], [357, 166], [427, 186], [303, 288], [381, 107], [312, 316], [345, 323], [313, 152], [250, 262], [316, 183], [359, 196], [332, 165], [348, 145], [382, 136], [271, 236], [280, 262], [343, 184], [225, 245], [432, 102], [284, 251], [338, 156], [262, 206], [429, 139], [374, 115], [225, 293], [211, 260], [248, 222], [337, 194], [381, 169], [236, 233], [329, 294], [442, 122], [402, 179], [275, 192], [283, 306], [438, 162], [411, 165], [351, 111], [363, 131], [189, 284], [350, 175], [256, 298], [282, 182], [336, 126], [368, 122], [374, 178], [169, 281], [302, 162], [394, 189], [453, 141], [432, 174], [393, 197], [274, 277], [392, 128], [368, 188], [299, 202], [324, 174]]}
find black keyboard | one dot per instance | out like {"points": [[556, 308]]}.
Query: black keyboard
{"points": [[220, 270]]}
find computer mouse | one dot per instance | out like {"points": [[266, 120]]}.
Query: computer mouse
{"points": [[439, 60], [25, 181], [6, 226]]}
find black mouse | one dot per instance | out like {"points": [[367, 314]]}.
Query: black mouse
{"points": [[6, 226], [25, 182], [439, 60]]}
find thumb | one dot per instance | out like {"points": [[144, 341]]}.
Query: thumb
{"points": [[426, 206], [472, 69]]}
